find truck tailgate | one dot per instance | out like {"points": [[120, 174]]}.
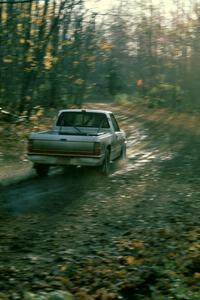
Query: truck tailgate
{"points": [[64, 145]]}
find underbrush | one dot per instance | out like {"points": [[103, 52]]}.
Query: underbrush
{"points": [[179, 132], [14, 134]]}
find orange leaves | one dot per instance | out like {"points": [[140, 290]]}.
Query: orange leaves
{"points": [[139, 82]]}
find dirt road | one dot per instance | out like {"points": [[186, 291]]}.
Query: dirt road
{"points": [[127, 236]]}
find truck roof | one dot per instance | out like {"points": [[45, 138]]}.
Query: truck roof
{"points": [[85, 110]]}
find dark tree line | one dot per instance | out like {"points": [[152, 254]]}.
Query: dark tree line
{"points": [[55, 53], [45, 53]]}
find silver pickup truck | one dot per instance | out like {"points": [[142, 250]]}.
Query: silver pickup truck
{"points": [[80, 137]]}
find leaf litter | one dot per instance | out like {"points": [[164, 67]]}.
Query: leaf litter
{"points": [[133, 235]]}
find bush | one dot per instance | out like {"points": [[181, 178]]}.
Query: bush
{"points": [[122, 99], [165, 94]]}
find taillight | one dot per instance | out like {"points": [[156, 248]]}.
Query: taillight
{"points": [[30, 145], [97, 148]]}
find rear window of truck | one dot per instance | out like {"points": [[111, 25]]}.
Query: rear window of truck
{"points": [[83, 119]]}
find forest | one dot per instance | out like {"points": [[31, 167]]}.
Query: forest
{"points": [[57, 53], [77, 234]]}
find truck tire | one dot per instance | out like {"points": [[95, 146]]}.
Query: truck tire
{"points": [[105, 168], [41, 169]]}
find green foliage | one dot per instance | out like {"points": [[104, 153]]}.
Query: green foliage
{"points": [[56, 295], [122, 99], [165, 94]]}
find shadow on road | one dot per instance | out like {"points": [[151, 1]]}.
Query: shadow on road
{"points": [[49, 194]]}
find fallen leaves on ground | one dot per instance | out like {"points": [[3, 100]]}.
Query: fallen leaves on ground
{"points": [[133, 235]]}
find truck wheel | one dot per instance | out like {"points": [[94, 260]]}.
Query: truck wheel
{"points": [[41, 169], [105, 168]]}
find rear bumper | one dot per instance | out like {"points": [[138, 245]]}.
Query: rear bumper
{"points": [[62, 160]]}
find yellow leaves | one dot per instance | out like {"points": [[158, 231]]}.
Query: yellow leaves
{"points": [[172, 254], [76, 63], [39, 111], [124, 243], [193, 235], [132, 244], [101, 294], [137, 247], [196, 275], [37, 114], [29, 58], [63, 268], [82, 294], [19, 27], [173, 274], [48, 61], [130, 260], [22, 41], [91, 58], [4, 17], [34, 31], [67, 43], [195, 247], [138, 244], [63, 279], [105, 46], [32, 64], [79, 81], [176, 52], [7, 60], [195, 279]]}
